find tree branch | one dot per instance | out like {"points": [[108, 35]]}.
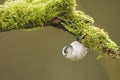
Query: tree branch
{"points": [[62, 14]]}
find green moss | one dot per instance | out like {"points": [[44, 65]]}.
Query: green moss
{"points": [[32, 13], [92, 37], [27, 14]]}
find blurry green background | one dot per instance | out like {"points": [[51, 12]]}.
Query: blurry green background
{"points": [[36, 55]]}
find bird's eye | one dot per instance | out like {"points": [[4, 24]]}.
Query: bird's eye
{"points": [[67, 49]]}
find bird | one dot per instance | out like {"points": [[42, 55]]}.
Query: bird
{"points": [[74, 51]]}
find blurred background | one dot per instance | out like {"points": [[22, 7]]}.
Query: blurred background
{"points": [[36, 55]]}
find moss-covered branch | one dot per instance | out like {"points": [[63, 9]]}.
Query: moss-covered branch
{"points": [[25, 14], [18, 14], [96, 39]]}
